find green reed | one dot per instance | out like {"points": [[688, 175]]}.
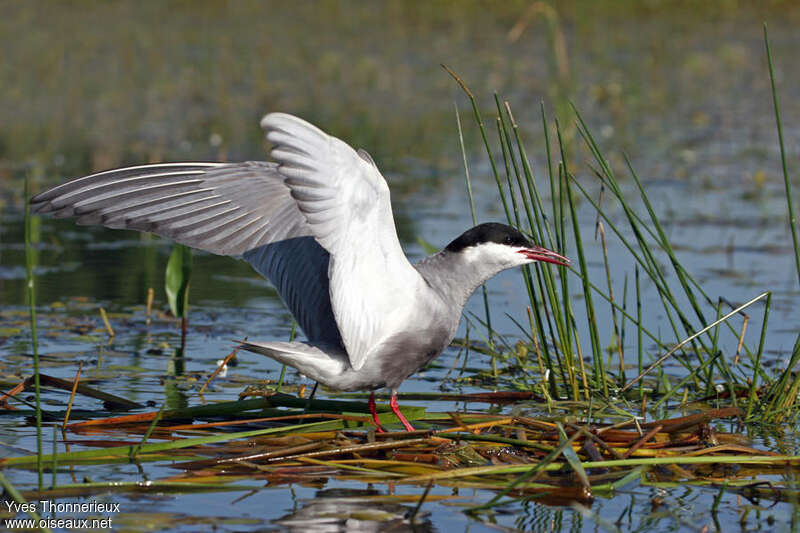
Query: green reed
{"points": [[484, 292], [777, 400], [29, 265], [786, 182], [687, 307]]}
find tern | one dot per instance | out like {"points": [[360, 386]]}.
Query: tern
{"points": [[317, 222]]}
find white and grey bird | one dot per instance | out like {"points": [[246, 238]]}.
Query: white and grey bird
{"points": [[317, 223]]}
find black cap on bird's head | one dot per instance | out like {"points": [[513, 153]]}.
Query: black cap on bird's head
{"points": [[493, 232]]}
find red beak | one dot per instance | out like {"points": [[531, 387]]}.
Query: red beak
{"points": [[537, 253]]}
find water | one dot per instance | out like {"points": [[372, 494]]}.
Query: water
{"points": [[684, 93]]}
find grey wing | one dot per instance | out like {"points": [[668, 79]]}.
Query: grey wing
{"points": [[237, 209]]}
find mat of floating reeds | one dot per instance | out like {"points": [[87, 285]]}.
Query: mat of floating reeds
{"points": [[557, 459]]}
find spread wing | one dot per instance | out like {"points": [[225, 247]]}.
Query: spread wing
{"points": [[237, 209], [345, 201]]}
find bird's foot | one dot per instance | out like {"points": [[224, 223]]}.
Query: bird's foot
{"points": [[396, 411], [374, 412]]}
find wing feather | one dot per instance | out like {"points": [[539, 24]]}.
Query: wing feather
{"points": [[317, 223], [237, 209], [346, 203]]}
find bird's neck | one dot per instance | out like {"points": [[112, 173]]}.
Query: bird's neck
{"points": [[455, 276]]}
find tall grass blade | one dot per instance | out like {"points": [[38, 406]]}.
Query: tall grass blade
{"points": [[54, 464], [504, 150], [540, 228], [557, 195], [29, 260], [786, 182], [637, 224], [757, 368], [640, 262], [479, 120], [543, 228], [534, 300], [597, 354], [617, 337], [647, 259], [639, 347], [665, 244], [526, 272], [475, 223]]}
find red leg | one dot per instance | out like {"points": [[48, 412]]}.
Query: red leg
{"points": [[374, 412], [396, 411]]}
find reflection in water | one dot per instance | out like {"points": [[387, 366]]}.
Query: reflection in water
{"points": [[351, 510], [175, 397], [538, 517]]}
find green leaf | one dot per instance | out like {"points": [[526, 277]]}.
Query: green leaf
{"points": [[179, 270]]}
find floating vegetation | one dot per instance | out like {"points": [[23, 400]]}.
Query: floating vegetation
{"points": [[554, 459]]}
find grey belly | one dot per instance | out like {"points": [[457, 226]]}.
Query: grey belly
{"points": [[398, 357]]}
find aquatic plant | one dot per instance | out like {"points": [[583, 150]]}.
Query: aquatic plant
{"points": [[554, 335]]}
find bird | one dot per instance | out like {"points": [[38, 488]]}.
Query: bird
{"points": [[316, 221]]}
